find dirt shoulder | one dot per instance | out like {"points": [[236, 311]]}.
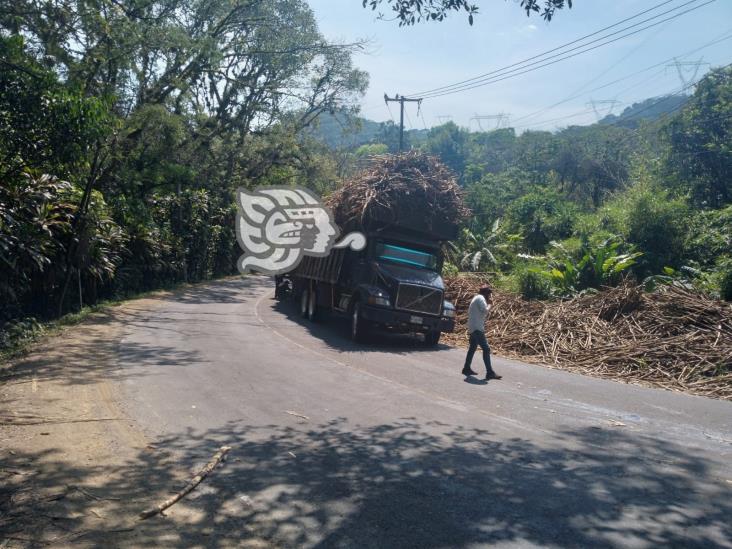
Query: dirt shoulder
{"points": [[74, 470]]}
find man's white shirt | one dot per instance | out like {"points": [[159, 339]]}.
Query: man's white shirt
{"points": [[477, 312]]}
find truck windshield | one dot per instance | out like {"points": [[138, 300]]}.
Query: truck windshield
{"points": [[406, 256]]}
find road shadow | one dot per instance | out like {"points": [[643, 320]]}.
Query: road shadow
{"points": [[402, 484], [334, 331], [232, 290], [93, 349], [475, 381]]}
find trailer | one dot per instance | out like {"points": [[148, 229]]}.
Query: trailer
{"points": [[393, 285]]}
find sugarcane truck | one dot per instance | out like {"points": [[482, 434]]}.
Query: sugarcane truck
{"points": [[394, 284]]}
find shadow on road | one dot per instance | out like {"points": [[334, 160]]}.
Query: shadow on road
{"points": [[403, 484], [68, 359], [334, 331]]}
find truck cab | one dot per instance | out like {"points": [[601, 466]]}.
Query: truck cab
{"points": [[397, 287]]}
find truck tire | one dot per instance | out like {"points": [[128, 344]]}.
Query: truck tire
{"points": [[359, 325], [431, 339], [312, 306], [304, 300]]}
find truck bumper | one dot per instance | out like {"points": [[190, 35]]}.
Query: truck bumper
{"points": [[400, 321]]}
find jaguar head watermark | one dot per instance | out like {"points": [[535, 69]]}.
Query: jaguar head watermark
{"points": [[277, 226]]}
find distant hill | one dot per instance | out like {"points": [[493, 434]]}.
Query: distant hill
{"points": [[344, 130], [649, 109]]}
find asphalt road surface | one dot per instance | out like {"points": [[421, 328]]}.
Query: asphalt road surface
{"points": [[387, 445]]}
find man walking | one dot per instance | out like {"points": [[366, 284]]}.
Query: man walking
{"points": [[477, 312]]}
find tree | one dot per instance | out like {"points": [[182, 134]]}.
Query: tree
{"points": [[700, 138], [409, 12], [449, 143]]}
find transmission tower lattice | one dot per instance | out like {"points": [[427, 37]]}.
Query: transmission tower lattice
{"points": [[603, 107], [499, 120], [684, 68]]}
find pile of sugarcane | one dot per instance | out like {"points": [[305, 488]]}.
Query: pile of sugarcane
{"points": [[673, 337], [397, 188]]}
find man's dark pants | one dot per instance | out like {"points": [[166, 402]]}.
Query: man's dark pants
{"points": [[477, 339]]}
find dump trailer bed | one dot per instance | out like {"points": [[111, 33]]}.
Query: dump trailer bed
{"points": [[323, 269]]}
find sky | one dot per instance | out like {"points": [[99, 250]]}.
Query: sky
{"points": [[411, 60]]}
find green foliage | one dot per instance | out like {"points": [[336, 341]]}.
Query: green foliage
{"points": [[725, 285], [450, 269], [699, 158], [489, 197], [35, 218], [449, 143], [372, 149], [648, 217], [473, 252], [533, 284], [42, 124], [409, 12], [588, 266], [540, 216], [164, 109]]}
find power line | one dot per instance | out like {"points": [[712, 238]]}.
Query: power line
{"points": [[409, 120], [622, 59], [588, 111], [553, 49], [603, 107], [421, 115], [720, 38], [680, 65], [499, 119], [520, 70]]}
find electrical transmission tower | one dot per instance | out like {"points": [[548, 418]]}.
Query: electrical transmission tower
{"points": [[499, 120], [442, 117], [603, 107], [401, 100], [684, 68]]}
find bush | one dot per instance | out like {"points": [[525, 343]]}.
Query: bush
{"points": [[725, 285], [541, 216], [648, 217], [449, 269], [533, 284]]}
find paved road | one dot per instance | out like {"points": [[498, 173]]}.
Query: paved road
{"points": [[338, 445]]}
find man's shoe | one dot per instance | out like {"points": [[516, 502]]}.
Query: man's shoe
{"points": [[492, 375], [469, 372]]}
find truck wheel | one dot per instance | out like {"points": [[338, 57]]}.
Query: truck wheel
{"points": [[359, 326], [304, 300], [431, 339], [312, 312]]}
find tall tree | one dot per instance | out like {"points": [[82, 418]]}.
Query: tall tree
{"points": [[700, 156]]}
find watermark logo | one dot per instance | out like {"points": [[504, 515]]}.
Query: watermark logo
{"points": [[277, 226]]}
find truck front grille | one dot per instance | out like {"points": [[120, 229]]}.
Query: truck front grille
{"points": [[419, 299]]}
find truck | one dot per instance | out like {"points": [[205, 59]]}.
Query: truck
{"points": [[394, 284]]}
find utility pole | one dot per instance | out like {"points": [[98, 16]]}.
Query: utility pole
{"points": [[401, 100]]}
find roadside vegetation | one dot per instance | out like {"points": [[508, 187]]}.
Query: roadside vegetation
{"points": [[125, 129]]}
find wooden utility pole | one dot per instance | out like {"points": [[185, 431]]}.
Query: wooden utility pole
{"points": [[401, 100]]}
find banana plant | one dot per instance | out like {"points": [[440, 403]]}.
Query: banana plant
{"points": [[474, 251], [597, 265]]}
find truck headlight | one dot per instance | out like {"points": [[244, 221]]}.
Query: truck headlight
{"points": [[448, 310], [379, 300]]}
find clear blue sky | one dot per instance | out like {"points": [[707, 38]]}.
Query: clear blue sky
{"points": [[408, 60]]}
